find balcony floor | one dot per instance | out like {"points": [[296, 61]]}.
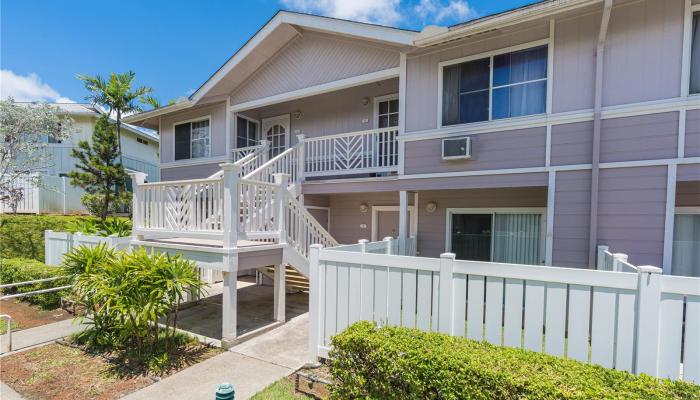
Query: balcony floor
{"points": [[199, 242]]}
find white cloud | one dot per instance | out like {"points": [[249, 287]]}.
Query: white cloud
{"points": [[436, 11], [385, 12], [28, 88]]}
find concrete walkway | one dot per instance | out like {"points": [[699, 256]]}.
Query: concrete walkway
{"points": [[250, 366], [43, 334], [7, 393]]}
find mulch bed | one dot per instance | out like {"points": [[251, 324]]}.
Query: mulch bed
{"points": [[27, 316], [62, 371]]}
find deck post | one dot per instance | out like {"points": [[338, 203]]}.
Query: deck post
{"points": [[301, 159], [279, 293], [646, 352], [403, 222], [314, 302], [230, 220], [281, 180], [137, 178]]}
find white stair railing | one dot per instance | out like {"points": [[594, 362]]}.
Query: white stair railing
{"points": [[258, 214], [241, 152], [284, 163], [303, 229]]}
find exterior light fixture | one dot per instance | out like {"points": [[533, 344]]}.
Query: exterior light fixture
{"points": [[364, 208], [431, 207]]}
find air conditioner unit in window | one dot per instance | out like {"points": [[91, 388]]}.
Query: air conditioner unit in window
{"points": [[456, 148]]}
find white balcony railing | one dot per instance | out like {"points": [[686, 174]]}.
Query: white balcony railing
{"points": [[376, 150]]}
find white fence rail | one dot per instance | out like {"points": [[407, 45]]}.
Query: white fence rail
{"points": [[257, 208], [637, 322], [53, 194], [241, 152], [608, 261], [374, 150], [56, 244], [284, 163]]}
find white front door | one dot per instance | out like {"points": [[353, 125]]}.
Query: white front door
{"points": [[276, 131]]}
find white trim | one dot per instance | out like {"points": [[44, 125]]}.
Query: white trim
{"points": [[194, 161], [375, 216], [328, 209], [682, 115], [228, 129], [375, 113], [318, 89], [550, 66], [487, 54], [687, 210], [687, 46], [494, 210], [568, 117], [235, 131], [548, 146], [198, 119], [130, 119], [403, 76], [669, 217], [551, 203]]}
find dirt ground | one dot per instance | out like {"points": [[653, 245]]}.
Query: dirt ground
{"points": [[62, 372], [26, 316]]}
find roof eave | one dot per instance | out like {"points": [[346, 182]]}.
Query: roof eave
{"points": [[507, 18], [136, 118]]}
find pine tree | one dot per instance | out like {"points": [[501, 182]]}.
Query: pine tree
{"points": [[99, 172]]}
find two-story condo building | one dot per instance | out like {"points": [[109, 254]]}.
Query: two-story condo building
{"points": [[530, 136]]}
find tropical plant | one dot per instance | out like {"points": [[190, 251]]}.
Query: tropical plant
{"points": [[121, 202], [117, 96], [127, 294], [109, 227], [24, 133], [98, 172]]}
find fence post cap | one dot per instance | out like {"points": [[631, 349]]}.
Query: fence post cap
{"points": [[388, 238], [228, 166], [649, 269], [448, 255], [363, 241]]}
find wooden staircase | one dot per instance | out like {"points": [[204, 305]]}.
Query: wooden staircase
{"points": [[294, 281]]}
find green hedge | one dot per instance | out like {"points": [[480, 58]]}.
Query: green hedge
{"points": [[400, 363], [23, 235], [23, 269]]}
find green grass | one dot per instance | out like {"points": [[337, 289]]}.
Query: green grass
{"points": [[283, 389], [3, 326]]}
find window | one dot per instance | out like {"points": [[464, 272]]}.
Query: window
{"points": [[246, 132], [192, 140], [387, 113], [509, 237], [501, 86], [686, 244], [142, 141], [695, 55]]}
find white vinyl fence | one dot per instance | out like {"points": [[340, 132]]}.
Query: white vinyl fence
{"points": [[55, 195], [56, 244], [642, 322]]}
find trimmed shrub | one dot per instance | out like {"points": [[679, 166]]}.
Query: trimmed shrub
{"points": [[23, 269], [401, 363], [23, 235]]}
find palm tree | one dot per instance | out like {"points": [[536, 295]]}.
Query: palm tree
{"points": [[117, 96]]}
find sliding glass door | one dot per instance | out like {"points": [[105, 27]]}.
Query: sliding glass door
{"points": [[509, 237]]}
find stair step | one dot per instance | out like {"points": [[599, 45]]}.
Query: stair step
{"points": [[293, 279]]}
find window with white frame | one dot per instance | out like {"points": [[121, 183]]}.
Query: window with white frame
{"points": [[246, 132], [500, 86], [686, 242], [695, 55], [192, 140], [496, 235], [388, 113]]}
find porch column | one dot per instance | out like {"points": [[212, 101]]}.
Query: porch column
{"points": [[229, 312], [301, 160], [279, 293], [137, 178], [403, 221]]}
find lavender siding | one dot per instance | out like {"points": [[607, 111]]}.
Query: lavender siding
{"points": [[643, 52], [692, 133], [189, 172], [509, 149], [348, 224], [572, 208], [572, 143], [644, 137], [336, 112], [631, 212], [574, 62], [313, 59], [422, 71], [688, 172], [217, 127], [688, 194]]}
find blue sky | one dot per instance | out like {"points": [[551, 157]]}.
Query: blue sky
{"points": [[173, 46]]}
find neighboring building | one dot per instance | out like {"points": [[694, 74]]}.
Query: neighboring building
{"points": [[531, 136], [139, 153]]}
